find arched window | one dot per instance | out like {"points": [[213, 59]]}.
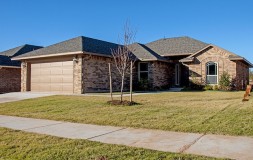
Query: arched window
{"points": [[211, 73]]}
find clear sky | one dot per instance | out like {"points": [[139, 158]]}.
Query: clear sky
{"points": [[226, 23]]}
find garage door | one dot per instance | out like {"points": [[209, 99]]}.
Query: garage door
{"points": [[52, 77]]}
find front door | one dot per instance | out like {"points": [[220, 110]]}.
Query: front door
{"points": [[177, 74]]}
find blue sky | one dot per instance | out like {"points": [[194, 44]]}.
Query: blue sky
{"points": [[226, 23]]}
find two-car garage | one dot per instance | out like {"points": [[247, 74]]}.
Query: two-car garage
{"points": [[52, 76]]}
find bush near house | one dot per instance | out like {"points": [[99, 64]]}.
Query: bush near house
{"points": [[208, 87], [225, 82], [195, 84], [143, 85]]}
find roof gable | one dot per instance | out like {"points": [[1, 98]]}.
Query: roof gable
{"points": [[231, 56]]}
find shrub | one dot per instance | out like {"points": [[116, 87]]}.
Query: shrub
{"points": [[195, 84], [216, 87], [225, 81], [208, 87], [143, 85]]}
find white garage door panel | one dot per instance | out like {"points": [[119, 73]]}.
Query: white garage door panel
{"points": [[52, 77]]}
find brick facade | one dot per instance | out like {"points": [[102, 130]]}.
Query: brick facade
{"points": [[91, 73], [237, 70], [96, 74], [10, 80], [242, 75], [160, 74]]}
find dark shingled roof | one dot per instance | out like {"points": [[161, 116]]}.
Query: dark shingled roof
{"points": [[83, 44], [142, 52], [5, 56], [176, 46], [19, 50], [6, 61]]}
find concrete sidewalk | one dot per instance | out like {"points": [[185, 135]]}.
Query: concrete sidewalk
{"points": [[209, 145]]}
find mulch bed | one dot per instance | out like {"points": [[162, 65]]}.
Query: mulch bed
{"points": [[124, 103]]}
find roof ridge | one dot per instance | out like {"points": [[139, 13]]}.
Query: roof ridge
{"points": [[169, 38], [13, 48]]}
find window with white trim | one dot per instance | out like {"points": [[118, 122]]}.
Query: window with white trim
{"points": [[143, 71], [211, 73]]}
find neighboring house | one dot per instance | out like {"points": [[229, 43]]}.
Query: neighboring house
{"points": [[10, 71], [80, 65]]}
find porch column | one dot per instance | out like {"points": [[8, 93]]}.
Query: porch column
{"points": [[77, 73], [24, 77]]}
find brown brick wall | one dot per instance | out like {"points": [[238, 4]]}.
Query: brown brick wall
{"points": [[96, 74], [242, 75], [215, 54], [160, 74], [10, 80]]}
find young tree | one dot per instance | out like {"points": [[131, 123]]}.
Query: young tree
{"points": [[123, 55]]}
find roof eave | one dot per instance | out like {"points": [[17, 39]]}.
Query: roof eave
{"points": [[242, 59], [2, 66], [186, 61], [60, 54], [48, 55], [146, 60], [173, 55], [98, 54]]}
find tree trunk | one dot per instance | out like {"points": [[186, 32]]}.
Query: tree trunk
{"points": [[131, 82], [110, 75], [122, 87]]}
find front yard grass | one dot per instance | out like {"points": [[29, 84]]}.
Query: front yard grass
{"points": [[21, 145], [202, 112]]}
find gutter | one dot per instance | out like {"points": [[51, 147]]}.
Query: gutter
{"points": [[59, 54], [9, 67], [145, 60], [186, 61], [48, 55], [242, 59], [173, 55]]}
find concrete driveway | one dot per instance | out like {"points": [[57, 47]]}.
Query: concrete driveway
{"points": [[17, 96]]}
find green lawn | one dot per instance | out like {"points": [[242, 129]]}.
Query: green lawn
{"points": [[22, 145], [203, 112]]}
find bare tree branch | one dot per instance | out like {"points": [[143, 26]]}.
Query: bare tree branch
{"points": [[123, 54]]}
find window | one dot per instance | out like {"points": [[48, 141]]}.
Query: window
{"points": [[211, 73], [143, 71]]}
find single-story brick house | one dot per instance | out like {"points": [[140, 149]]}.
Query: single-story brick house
{"points": [[80, 65], [10, 71]]}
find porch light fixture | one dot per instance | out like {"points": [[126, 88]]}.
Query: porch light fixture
{"points": [[75, 59], [23, 64]]}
